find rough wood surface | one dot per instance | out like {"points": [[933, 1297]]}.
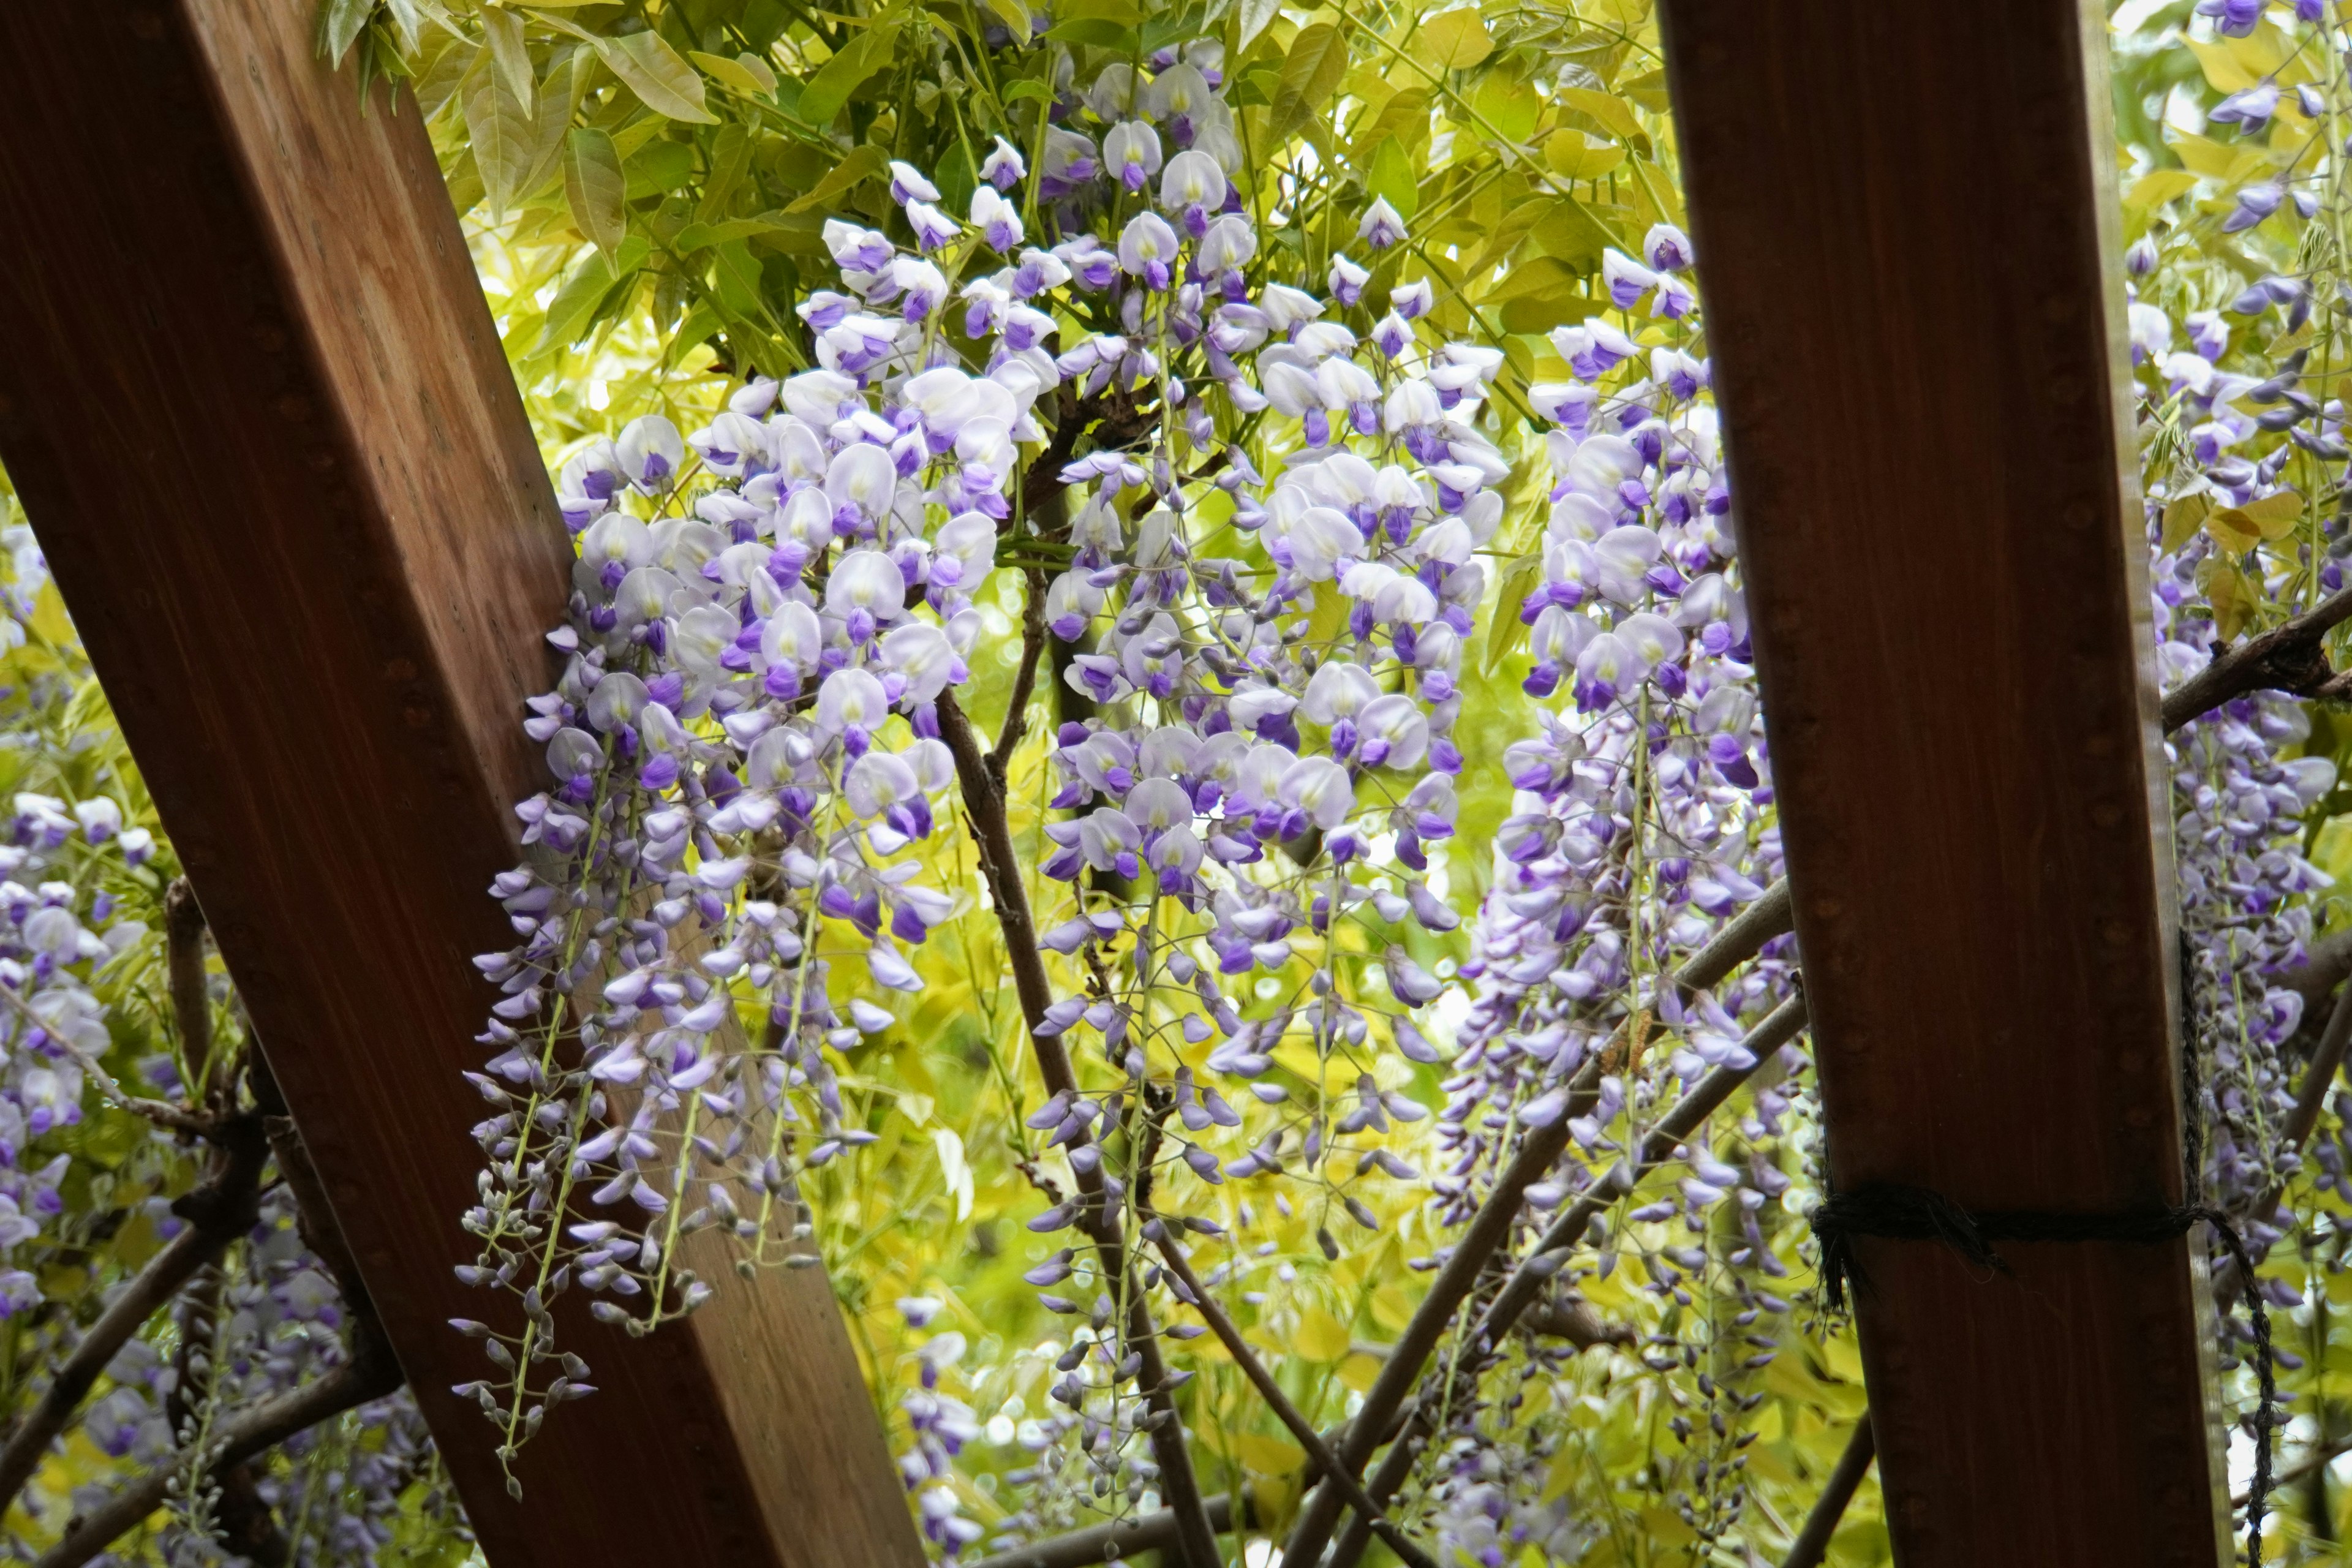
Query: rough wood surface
{"points": [[1905, 222], [256, 409]]}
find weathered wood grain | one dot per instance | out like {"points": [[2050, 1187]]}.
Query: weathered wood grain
{"points": [[255, 404], [1905, 228]]}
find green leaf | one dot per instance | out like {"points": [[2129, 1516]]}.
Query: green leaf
{"points": [[1099, 31], [1392, 176], [1574, 232], [597, 190], [735, 278], [1255, 16], [1453, 40], [729, 155], [445, 76], [863, 163], [1506, 633], [502, 30], [503, 134], [339, 26], [1013, 14], [695, 236], [1311, 73], [577, 301], [653, 70], [839, 76]]}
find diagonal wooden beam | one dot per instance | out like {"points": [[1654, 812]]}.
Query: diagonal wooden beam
{"points": [[1905, 224], [254, 402]]}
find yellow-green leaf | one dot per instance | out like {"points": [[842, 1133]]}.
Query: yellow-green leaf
{"points": [[2226, 589], [1013, 14], [2233, 529], [2222, 67], [1611, 113], [1254, 16], [2158, 186], [501, 131], [2274, 516], [1506, 633], [863, 164], [503, 32], [1573, 232], [1648, 91], [1509, 105], [1403, 121], [339, 26], [574, 305], [1311, 73], [1321, 1337], [839, 76], [595, 188], [2182, 519], [2216, 162], [1453, 40], [1392, 176], [663, 82], [1570, 155], [737, 75]]}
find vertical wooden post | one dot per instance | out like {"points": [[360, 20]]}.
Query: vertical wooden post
{"points": [[257, 412], [1906, 227]]}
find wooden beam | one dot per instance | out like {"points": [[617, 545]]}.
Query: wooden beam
{"points": [[256, 409], [1905, 223]]}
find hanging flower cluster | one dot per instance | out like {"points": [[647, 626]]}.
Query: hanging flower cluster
{"points": [[266, 1321], [1643, 815], [744, 744], [1643, 820], [71, 870]]}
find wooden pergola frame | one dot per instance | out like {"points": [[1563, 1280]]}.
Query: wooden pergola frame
{"points": [[255, 406], [254, 402], [1914, 303]]}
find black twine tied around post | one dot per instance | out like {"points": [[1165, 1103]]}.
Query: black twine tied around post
{"points": [[1916, 1214]]}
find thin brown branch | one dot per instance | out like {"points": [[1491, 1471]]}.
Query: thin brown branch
{"points": [[1024, 678], [2319, 1459], [2319, 1077], [370, 1374], [2327, 961], [1578, 1323], [1812, 1543], [1121, 1539], [314, 1216], [2287, 657], [1742, 937], [1528, 1282], [1171, 1253], [222, 1209], [183, 965], [1491, 1226], [1114, 422], [992, 830]]}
